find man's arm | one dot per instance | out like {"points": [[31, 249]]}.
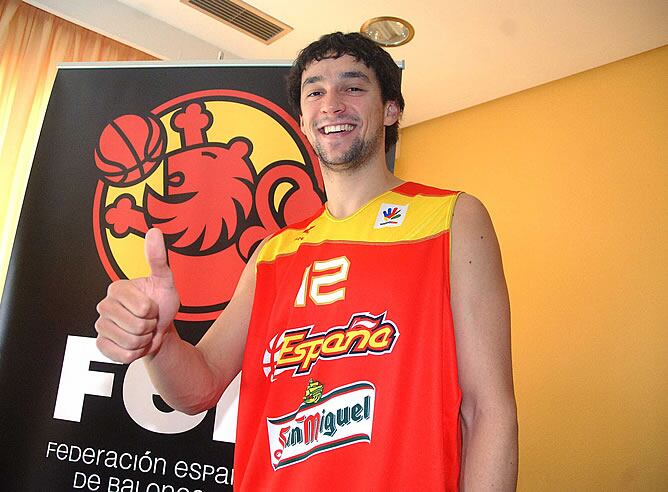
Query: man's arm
{"points": [[136, 320], [192, 379], [482, 331]]}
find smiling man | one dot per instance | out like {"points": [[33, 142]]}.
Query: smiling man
{"points": [[335, 95], [374, 337]]}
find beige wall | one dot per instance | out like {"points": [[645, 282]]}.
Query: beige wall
{"points": [[575, 175]]}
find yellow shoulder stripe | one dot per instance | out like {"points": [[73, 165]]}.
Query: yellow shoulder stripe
{"points": [[423, 217]]}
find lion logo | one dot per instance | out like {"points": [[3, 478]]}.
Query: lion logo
{"points": [[217, 171]]}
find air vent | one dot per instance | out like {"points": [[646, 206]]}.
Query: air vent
{"points": [[243, 17]]}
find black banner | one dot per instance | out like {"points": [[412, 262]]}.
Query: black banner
{"points": [[210, 155]]}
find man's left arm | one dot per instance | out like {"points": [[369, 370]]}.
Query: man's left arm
{"points": [[481, 316]]}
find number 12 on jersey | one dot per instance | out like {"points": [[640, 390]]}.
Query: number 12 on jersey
{"points": [[315, 279]]}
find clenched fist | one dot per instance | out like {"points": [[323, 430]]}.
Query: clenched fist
{"points": [[136, 313]]}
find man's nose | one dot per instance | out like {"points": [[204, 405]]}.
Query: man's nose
{"points": [[333, 103]]}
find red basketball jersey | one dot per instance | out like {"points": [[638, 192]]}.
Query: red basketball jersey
{"points": [[349, 378]]}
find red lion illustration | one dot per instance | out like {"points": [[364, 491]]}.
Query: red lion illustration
{"points": [[214, 208]]}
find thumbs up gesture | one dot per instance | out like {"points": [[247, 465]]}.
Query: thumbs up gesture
{"points": [[136, 314]]}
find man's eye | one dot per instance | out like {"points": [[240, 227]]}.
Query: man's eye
{"points": [[313, 94], [355, 89]]}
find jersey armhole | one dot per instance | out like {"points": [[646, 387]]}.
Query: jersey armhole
{"points": [[448, 220]]}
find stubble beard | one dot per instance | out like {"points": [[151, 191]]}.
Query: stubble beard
{"points": [[355, 157]]}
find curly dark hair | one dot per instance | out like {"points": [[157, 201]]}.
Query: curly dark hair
{"points": [[362, 49]]}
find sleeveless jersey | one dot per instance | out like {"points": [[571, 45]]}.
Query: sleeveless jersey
{"points": [[349, 379]]}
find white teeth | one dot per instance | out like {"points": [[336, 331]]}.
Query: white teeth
{"points": [[337, 128]]}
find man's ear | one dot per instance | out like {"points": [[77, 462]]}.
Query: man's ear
{"points": [[392, 113], [301, 123]]}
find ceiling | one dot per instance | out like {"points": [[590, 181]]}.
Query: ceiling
{"points": [[463, 53]]}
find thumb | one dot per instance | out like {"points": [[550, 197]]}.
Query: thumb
{"points": [[156, 255]]}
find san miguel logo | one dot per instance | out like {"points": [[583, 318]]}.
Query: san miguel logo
{"points": [[299, 349], [217, 171], [341, 417]]}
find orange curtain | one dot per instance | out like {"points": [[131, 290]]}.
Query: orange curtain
{"points": [[32, 43]]}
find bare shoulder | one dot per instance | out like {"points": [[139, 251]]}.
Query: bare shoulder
{"points": [[470, 214], [474, 242]]}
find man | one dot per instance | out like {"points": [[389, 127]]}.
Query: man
{"points": [[374, 337]]}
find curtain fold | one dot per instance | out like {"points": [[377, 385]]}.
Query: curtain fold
{"points": [[32, 43]]}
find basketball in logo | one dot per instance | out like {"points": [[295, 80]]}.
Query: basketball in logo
{"points": [[217, 171]]}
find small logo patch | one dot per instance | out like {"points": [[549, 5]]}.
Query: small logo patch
{"points": [[313, 392], [340, 417], [390, 215]]}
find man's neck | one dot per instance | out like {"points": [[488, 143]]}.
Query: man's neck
{"points": [[348, 191]]}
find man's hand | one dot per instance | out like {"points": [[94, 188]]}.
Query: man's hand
{"points": [[136, 314]]}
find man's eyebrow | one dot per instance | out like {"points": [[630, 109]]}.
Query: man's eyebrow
{"points": [[353, 74], [312, 80]]}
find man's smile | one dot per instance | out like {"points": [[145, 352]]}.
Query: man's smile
{"points": [[341, 128]]}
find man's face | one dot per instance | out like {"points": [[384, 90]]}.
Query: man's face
{"points": [[343, 115]]}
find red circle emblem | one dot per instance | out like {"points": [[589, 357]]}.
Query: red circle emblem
{"points": [[217, 171]]}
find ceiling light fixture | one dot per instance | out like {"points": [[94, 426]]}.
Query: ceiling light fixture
{"points": [[388, 31]]}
